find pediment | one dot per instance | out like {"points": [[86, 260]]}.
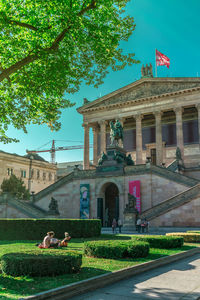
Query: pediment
{"points": [[143, 88]]}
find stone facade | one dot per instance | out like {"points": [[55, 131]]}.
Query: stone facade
{"points": [[36, 173], [158, 115]]}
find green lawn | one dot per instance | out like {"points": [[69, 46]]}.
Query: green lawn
{"points": [[16, 287]]}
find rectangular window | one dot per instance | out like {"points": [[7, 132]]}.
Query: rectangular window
{"points": [[50, 176], [44, 176], [38, 174], [8, 171], [23, 173]]}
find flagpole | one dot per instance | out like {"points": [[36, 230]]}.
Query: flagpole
{"points": [[155, 64]]}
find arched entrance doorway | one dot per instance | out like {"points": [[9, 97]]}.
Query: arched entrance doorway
{"points": [[111, 203]]}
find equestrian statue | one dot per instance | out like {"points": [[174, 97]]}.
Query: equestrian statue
{"points": [[116, 132]]}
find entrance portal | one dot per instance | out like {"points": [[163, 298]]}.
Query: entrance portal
{"points": [[111, 204]]}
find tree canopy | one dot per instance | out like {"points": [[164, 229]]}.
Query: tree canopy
{"points": [[48, 48], [16, 187]]}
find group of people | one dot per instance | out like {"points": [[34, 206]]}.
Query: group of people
{"points": [[116, 224], [142, 225], [50, 241]]}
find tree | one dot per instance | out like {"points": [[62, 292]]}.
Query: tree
{"points": [[16, 187], [48, 48]]}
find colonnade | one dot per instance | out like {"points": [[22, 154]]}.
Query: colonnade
{"points": [[101, 128]]}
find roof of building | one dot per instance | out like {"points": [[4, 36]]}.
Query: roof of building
{"points": [[34, 156], [142, 89]]}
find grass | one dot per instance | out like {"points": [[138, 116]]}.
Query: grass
{"points": [[16, 287]]}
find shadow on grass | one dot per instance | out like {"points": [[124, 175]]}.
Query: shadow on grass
{"points": [[16, 287]]}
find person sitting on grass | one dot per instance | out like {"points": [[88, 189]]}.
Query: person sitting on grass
{"points": [[46, 243], [64, 242]]}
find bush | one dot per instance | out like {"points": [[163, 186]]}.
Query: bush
{"points": [[116, 249], [160, 241], [188, 237], [36, 229], [41, 263], [193, 231], [15, 186]]}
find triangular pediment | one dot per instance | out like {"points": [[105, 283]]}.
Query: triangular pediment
{"points": [[143, 88]]}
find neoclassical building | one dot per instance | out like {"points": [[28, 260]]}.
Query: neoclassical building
{"points": [[36, 173], [158, 115]]}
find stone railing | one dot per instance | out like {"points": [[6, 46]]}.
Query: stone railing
{"points": [[172, 203], [179, 178], [54, 186], [25, 207], [173, 166]]}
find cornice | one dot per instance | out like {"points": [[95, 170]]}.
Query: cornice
{"points": [[139, 100], [26, 161], [141, 81]]}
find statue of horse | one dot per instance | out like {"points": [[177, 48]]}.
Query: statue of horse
{"points": [[116, 132]]}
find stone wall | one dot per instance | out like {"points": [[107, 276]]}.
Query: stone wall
{"points": [[154, 190], [184, 216], [7, 211]]}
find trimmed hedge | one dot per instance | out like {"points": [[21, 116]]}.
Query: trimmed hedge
{"points": [[116, 249], [47, 263], [188, 237], [36, 229], [160, 241]]}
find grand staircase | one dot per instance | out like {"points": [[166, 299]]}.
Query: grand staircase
{"points": [[172, 203], [27, 208]]}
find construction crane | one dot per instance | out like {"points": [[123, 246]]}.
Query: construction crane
{"points": [[53, 150]]}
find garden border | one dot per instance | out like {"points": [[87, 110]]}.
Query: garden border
{"points": [[81, 287]]}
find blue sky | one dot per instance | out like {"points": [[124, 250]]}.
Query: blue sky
{"points": [[171, 26]]}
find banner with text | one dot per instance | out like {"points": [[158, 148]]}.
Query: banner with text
{"points": [[134, 189]]}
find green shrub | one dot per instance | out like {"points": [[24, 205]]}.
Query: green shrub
{"points": [[41, 263], [160, 241], [188, 237], [36, 229], [116, 249], [193, 231]]}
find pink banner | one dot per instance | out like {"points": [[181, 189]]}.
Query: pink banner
{"points": [[134, 189]]}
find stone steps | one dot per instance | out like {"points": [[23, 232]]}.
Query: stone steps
{"points": [[27, 208], [172, 203]]}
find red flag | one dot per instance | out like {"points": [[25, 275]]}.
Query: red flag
{"points": [[161, 59]]}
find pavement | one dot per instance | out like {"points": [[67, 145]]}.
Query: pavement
{"points": [[177, 280]]}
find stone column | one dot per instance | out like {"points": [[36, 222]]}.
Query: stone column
{"points": [[159, 145], [86, 159], [179, 129], [198, 109], [138, 119], [103, 135], [95, 130]]}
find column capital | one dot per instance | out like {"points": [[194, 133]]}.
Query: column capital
{"points": [[197, 106], [85, 125], [178, 110], [138, 117], [103, 122], [158, 113]]}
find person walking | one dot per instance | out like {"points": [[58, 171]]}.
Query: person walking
{"points": [[114, 225], [139, 222], [120, 225]]}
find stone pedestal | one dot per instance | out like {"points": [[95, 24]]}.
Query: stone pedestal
{"points": [[130, 213], [130, 219]]}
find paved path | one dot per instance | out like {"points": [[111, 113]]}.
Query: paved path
{"points": [[179, 280]]}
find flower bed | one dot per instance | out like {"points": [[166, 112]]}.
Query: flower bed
{"points": [[188, 237]]}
